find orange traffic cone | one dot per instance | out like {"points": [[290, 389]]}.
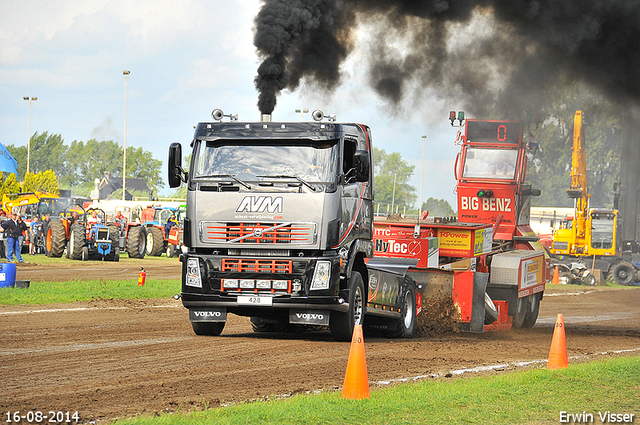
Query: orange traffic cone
{"points": [[556, 276], [558, 355], [356, 380]]}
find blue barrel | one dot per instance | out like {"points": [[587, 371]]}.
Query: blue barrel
{"points": [[7, 275]]}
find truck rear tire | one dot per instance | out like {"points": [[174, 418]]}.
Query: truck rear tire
{"points": [[522, 305], [406, 325], [208, 328], [531, 316], [342, 324], [136, 242], [623, 273]]}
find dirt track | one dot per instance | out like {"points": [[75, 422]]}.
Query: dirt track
{"points": [[108, 359]]}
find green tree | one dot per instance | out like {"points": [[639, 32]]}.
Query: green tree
{"points": [[9, 185], [41, 182], [47, 152], [79, 164], [438, 208], [549, 168], [392, 174]]}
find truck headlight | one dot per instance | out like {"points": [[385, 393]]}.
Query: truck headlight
{"points": [[321, 275], [193, 273]]}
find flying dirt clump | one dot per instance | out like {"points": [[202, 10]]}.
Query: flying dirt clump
{"points": [[438, 317]]}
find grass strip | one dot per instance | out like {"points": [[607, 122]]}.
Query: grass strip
{"points": [[87, 290], [537, 396]]}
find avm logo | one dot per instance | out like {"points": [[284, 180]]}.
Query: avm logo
{"points": [[260, 204]]}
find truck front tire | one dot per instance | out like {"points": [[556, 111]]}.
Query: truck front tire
{"points": [[208, 328], [342, 324]]}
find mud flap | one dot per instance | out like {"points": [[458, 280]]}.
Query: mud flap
{"points": [[480, 281], [314, 317], [208, 314]]}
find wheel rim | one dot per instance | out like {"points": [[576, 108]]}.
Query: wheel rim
{"points": [[357, 307], [72, 242], [409, 310], [622, 274], [149, 242]]}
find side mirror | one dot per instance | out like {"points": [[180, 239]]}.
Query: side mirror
{"points": [[362, 165], [176, 173]]}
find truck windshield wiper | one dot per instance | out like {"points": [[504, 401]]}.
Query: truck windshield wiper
{"points": [[207, 176], [284, 176]]}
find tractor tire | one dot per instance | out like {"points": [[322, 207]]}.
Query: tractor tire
{"points": [[406, 325], [172, 250], [522, 305], [136, 242], [114, 235], [84, 256], [342, 324], [55, 239], [623, 273], [77, 241], [208, 328], [155, 242], [490, 310], [531, 316]]}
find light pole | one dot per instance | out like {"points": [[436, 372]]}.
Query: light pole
{"points": [[124, 160], [30, 100], [302, 112], [424, 141]]}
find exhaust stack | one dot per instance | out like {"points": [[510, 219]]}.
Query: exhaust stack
{"points": [[265, 117]]}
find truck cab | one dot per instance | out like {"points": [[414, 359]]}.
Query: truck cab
{"points": [[278, 223]]}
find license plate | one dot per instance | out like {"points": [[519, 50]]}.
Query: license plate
{"points": [[254, 300]]}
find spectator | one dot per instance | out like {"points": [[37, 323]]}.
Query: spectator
{"points": [[3, 239], [13, 233], [170, 223], [24, 231], [35, 234]]}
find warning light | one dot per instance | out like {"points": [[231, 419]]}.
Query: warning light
{"points": [[452, 117], [488, 193]]}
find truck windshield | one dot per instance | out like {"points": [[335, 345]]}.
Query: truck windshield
{"points": [[490, 163], [310, 163]]}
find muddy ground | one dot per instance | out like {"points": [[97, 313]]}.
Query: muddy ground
{"points": [[118, 358]]}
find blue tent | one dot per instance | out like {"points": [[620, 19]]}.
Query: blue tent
{"points": [[8, 163]]}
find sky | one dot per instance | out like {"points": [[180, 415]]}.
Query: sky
{"points": [[186, 58]]}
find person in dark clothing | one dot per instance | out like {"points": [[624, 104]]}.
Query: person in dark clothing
{"points": [[24, 231], [13, 231]]}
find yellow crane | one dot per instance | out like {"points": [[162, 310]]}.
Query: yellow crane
{"points": [[591, 233]]}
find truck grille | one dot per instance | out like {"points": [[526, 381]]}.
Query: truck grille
{"points": [[273, 285], [241, 265], [258, 233]]}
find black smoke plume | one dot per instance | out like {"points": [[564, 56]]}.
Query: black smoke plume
{"points": [[532, 44]]}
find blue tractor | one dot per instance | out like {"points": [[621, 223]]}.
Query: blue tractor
{"points": [[91, 237]]}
